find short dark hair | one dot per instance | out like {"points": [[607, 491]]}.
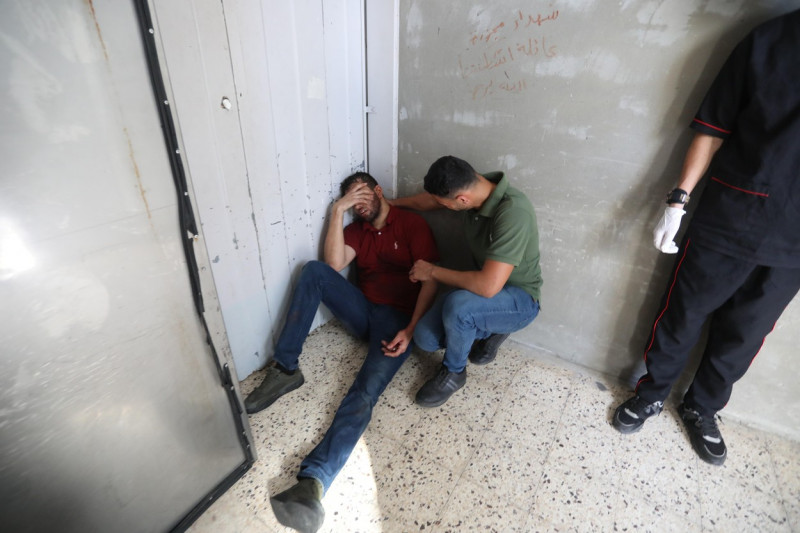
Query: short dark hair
{"points": [[448, 176], [358, 177]]}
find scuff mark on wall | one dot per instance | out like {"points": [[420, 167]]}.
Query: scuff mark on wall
{"points": [[637, 106], [664, 24], [414, 25], [561, 66], [139, 185], [90, 4], [607, 66], [508, 161]]}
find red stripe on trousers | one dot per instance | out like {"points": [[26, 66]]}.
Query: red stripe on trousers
{"points": [[669, 295]]}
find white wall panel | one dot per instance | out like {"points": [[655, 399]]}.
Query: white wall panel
{"points": [[382, 34], [264, 172]]}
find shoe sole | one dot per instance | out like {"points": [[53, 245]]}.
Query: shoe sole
{"points": [[294, 514], [283, 392]]}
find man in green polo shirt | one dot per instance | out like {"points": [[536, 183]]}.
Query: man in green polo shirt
{"points": [[498, 297]]}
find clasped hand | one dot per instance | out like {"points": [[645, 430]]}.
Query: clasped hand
{"points": [[398, 345], [421, 271]]}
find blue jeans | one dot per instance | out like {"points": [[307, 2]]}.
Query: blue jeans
{"points": [[459, 317], [319, 283]]}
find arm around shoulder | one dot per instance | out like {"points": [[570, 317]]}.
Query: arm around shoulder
{"points": [[419, 202]]}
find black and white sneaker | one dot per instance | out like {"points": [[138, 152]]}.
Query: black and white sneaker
{"points": [[704, 434], [630, 416]]}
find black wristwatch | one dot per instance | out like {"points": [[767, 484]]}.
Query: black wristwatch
{"points": [[678, 196]]}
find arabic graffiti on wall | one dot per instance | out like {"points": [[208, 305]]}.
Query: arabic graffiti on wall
{"points": [[491, 63]]}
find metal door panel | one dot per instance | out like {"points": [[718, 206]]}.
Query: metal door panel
{"points": [[113, 416]]}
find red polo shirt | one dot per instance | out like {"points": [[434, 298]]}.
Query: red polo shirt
{"points": [[385, 256]]}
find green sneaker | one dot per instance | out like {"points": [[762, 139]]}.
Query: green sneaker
{"points": [[300, 507], [275, 385]]}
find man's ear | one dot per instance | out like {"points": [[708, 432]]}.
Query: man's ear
{"points": [[463, 200], [379, 191]]}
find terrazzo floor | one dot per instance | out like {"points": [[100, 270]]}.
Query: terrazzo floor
{"points": [[526, 445]]}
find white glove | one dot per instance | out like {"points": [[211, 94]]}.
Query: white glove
{"points": [[667, 227]]}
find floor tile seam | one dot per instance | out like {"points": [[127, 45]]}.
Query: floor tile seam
{"points": [[621, 488], [546, 457], [462, 474], [699, 498], [490, 425], [485, 429], [463, 477]]}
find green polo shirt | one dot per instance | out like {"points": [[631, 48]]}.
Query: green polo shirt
{"points": [[505, 230]]}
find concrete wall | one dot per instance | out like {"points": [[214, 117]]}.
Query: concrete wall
{"points": [[586, 106]]}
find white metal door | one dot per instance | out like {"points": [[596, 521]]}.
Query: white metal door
{"points": [[265, 168], [113, 415]]}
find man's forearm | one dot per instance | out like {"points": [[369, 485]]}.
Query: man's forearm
{"points": [[486, 282], [427, 294], [418, 202], [698, 158], [334, 250], [475, 281]]}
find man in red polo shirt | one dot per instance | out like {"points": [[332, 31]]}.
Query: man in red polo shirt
{"points": [[384, 310]]}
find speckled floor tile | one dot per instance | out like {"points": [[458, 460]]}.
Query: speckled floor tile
{"points": [[730, 506], [635, 515], [527, 445], [396, 413], [785, 456], [413, 490], [502, 370], [474, 508], [658, 465], [353, 503], [748, 461], [569, 499], [511, 455], [543, 385], [742, 493], [585, 441], [449, 441]]}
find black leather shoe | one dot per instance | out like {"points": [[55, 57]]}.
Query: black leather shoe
{"points": [[485, 350], [275, 385], [300, 507], [440, 387]]}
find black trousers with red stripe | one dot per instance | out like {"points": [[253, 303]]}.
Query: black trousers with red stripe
{"points": [[742, 301]]}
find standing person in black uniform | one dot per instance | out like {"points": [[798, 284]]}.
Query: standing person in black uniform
{"points": [[739, 263]]}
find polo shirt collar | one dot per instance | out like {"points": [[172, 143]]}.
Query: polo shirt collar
{"points": [[490, 205]]}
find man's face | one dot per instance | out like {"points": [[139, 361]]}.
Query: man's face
{"points": [[367, 211]]}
